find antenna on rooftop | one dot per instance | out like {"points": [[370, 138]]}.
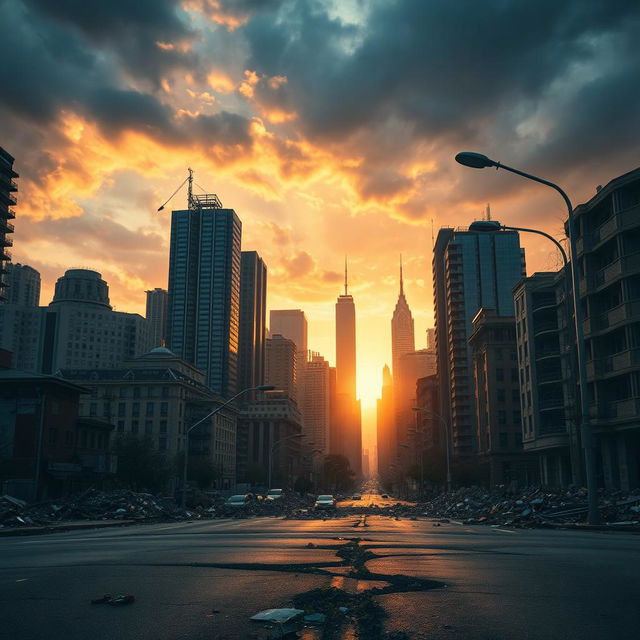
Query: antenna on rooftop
{"points": [[205, 201], [488, 211]]}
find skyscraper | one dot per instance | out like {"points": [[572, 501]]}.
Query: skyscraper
{"points": [[385, 427], [7, 187], [280, 365], [204, 290], [292, 324], [402, 329], [157, 303], [253, 311], [471, 269], [23, 285], [317, 399], [348, 408]]}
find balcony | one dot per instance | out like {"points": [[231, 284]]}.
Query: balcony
{"points": [[620, 409], [5, 254], [614, 364], [11, 214], [620, 221], [8, 197], [6, 226], [625, 266], [544, 327]]}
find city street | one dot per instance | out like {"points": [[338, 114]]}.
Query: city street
{"points": [[203, 580]]}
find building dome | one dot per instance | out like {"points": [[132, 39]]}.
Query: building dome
{"points": [[161, 352], [82, 285]]}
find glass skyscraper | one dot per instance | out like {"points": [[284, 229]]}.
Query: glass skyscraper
{"points": [[204, 290], [471, 270]]}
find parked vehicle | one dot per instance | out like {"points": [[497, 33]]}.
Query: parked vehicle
{"points": [[275, 494], [356, 496], [238, 501], [325, 502]]}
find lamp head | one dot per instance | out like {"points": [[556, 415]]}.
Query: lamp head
{"points": [[475, 160], [266, 387]]}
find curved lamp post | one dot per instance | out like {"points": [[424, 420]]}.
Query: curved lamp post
{"points": [[445, 429], [273, 448], [480, 161], [263, 387]]}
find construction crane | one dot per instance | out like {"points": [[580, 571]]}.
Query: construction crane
{"points": [[195, 202]]}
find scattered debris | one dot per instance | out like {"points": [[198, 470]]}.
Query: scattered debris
{"points": [[114, 600]]}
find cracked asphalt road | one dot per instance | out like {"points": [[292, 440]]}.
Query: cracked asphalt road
{"points": [[197, 580]]}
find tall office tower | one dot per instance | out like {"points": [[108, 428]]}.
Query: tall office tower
{"points": [[253, 313], [386, 427], [204, 290], [280, 365], [471, 269], [7, 187], [431, 340], [157, 303], [317, 403], [402, 330], [292, 324], [22, 285], [348, 413]]}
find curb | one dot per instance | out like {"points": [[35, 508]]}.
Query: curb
{"points": [[577, 526], [70, 526]]}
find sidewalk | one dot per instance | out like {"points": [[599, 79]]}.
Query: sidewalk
{"points": [[66, 526]]}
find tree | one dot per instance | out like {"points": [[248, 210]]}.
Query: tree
{"points": [[140, 466], [338, 475], [203, 472]]}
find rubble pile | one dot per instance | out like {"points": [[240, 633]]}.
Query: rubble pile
{"points": [[96, 505], [532, 507]]}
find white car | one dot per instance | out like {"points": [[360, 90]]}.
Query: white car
{"points": [[325, 502], [275, 494]]}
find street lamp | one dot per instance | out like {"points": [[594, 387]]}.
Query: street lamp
{"points": [[263, 387], [479, 161], [445, 430], [273, 448]]}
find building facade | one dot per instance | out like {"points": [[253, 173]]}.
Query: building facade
{"points": [[280, 365], [608, 257], [268, 431], [497, 393], [386, 427], [157, 305], [8, 187], [316, 406], [157, 397], [471, 269], [292, 324], [22, 285], [547, 376], [204, 290], [253, 311]]}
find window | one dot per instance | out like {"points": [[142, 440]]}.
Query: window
{"points": [[150, 407], [164, 408], [165, 392], [515, 395], [504, 440], [163, 426], [517, 418], [134, 426], [500, 374], [136, 392], [502, 417], [135, 409], [148, 427], [120, 426], [162, 444], [121, 409], [93, 409], [514, 375], [501, 395]]}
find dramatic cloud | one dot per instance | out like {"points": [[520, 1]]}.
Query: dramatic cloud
{"points": [[330, 126]]}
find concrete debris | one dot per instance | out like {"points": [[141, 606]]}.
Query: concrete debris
{"points": [[533, 507], [96, 505], [114, 601], [277, 616]]}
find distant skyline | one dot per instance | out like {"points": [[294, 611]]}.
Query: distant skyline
{"points": [[329, 127]]}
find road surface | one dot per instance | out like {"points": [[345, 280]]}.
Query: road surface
{"points": [[203, 580]]}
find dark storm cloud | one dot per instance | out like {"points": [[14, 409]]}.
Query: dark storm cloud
{"points": [[130, 29], [454, 71]]}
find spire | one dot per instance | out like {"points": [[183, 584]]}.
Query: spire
{"points": [[345, 275], [401, 282]]}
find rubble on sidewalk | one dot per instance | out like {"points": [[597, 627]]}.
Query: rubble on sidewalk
{"points": [[93, 504]]}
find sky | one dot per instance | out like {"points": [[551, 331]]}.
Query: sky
{"points": [[330, 126]]}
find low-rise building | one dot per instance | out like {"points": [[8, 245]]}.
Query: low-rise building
{"points": [[158, 397], [497, 394]]}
